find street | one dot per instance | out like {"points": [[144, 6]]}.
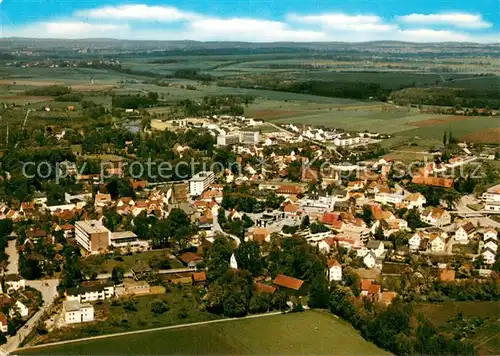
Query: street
{"points": [[11, 250]]}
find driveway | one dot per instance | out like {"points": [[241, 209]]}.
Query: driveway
{"points": [[11, 250], [48, 288]]}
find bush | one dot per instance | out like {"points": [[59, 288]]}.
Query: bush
{"points": [[129, 305], [159, 307]]}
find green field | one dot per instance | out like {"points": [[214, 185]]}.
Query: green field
{"points": [[308, 333], [486, 337]]}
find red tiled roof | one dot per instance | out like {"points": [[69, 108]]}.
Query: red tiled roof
{"points": [[187, 257], [374, 289], [263, 288], [330, 218], [288, 282], [332, 263], [366, 284], [433, 181], [289, 189], [199, 276]]}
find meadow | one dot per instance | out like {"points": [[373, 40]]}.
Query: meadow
{"points": [[307, 333], [478, 323]]}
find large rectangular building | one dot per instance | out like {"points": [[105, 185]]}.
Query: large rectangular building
{"points": [[92, 235], [200, 182], [228, 139], [250, 137]]}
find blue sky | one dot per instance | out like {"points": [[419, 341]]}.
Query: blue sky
{"points": [[255, 20]]}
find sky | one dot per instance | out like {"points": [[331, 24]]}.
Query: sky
{"points": [[255, 20]]}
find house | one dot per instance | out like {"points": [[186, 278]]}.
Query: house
{"points": [[370, 260], [199, 278], [19, 308], [489, 256], [333, 220], [91, 291], [447, 275], [490, 233], [387, 297], [414, 200], [464, 233], [435, 216], [14, 282], [377, 247], [74, 312], [334, 271], [4, 324], [291, 211], [491, 244], [190, 259], [261, 288], [283, 282], [415, 241], [433, 181], [388, 196], [369, 289], [326, 245], [260, 235], [437, 243]]}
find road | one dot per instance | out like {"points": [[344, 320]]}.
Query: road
{"points": [[48, 288], [151, 330], [217, 228], [12, 267], [484, 221]]}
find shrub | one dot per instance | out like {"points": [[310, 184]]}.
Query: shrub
{"points": [[159, 307]]}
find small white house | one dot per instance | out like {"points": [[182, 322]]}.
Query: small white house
{"points": [[74, 312], [437, 243], [491, 244], [489, 256], [414, 200], [14, 282], [415, 241], [464, 233], [370, 260], [20, 308], [436, 216], [334, 271], [377, 247], [490, 234], [91, 292]]}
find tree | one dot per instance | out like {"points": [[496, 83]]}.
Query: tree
{"points": [[117, 274], [305, 222], [367, 214], [235, 305], [451, 197], [259, 303], [218, 258], [248, 257], [318, 293], [159, 307]]}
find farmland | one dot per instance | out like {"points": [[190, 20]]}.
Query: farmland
{"points": [[478, 322], [289, 334]]}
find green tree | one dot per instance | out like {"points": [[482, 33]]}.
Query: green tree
{"points": [[248, 257], [318, 293], [218, 258], [159, 307]]}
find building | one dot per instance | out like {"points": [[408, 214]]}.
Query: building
{"points": [[492, 206], [89, 292], [250, 137], [288, 283], [200, 182], [414, 200], [415, 241], [128, 240], [74, 312], [92, 235], [19, 308], [436, 216], [464, 233], [334, 271], [13, 282], [228, 139], [489, 256], [438, 243], [377, 247], [4, 323], [370, 260], [190, 259], [447, 275]]}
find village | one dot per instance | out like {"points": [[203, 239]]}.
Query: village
{"points": [[326, 191]]}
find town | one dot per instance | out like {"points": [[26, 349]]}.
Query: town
{"points": [[284, 216]]}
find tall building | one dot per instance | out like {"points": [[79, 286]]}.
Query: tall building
{"points": [[249, 137], [228, 139], [200, 182], [92, 235]]}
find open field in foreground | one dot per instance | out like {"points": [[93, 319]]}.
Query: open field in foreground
{"points": [[485, 336], [311, 332]]}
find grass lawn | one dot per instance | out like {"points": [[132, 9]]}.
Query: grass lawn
{"points": [[105, 264], [485, 337], [307, 333], [118, 315]]}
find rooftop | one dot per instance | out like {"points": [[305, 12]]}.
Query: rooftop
{"points": [[91, 226]]}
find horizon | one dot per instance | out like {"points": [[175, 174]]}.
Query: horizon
{"points": [[353, 21]]}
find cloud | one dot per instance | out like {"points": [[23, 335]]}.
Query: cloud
{"points": [[343, 22], [456, 19], [138, 12], [65, 29], [243, 29]]}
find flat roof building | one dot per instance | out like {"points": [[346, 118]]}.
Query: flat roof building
{"points": [[92, 235], [200, 182]]}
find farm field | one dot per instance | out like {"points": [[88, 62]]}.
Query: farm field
{"points": [[289, 334], [486, 337]]}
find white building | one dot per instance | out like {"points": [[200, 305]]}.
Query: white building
{"points": [[228, 139], [92, 235], [490, 233], [19, 308], [74, 312], [91, 292], [377, 247], [334, 271], [414, 200], [370, 260], [200, 182], [415, 241], [464, 233], [128, 240], [492, 206], [13, 282], [436, 216], [489, 256], [250, 137], [437, 243]]}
